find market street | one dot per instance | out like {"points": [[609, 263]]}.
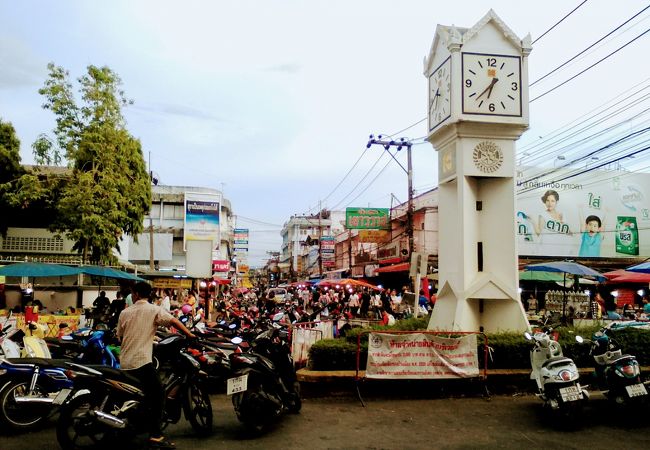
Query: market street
{"points": [[504, 421]]}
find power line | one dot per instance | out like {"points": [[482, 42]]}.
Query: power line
{"points": [[559, 21], [592, 45], [248, 219], [591, 66]]}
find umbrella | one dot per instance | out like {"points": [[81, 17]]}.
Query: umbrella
{"points": [[29, 269], [625, 276], [570, 267], [109, 272], [565, 267], [540, 276], [644, 267], [347, 281]]}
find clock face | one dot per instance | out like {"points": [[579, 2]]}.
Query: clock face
{"points": [[491, 84], [487, 157], [440, 94]]}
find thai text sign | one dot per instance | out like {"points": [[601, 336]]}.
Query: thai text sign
{"points": [[420, 355], [367, 218], [377, 236]]}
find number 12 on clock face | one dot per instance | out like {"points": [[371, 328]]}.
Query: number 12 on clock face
{"points": [[491, 84]]}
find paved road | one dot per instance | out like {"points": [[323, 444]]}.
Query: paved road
{"points": [[504, 421]]}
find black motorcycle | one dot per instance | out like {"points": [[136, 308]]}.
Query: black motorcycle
{"points": [[106, 405], [617, 375], [264, 382]]}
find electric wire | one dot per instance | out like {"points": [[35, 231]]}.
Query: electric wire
{"points": [[590, 67], [560, 21], [589, 47]]}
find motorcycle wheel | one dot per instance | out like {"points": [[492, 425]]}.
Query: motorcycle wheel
{"points": [[21, 417], [77, 429], [295, 403], [198, 409]]}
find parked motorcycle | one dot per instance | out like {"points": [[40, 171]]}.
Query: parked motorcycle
{"points": [[28, 389], [264, 384], [28, 386], [556, 377], [106, 405], [617, 375]]}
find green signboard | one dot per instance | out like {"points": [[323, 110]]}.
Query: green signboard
{"points": [[367, 218]]}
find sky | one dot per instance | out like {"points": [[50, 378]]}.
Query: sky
{"points": [[272, 102]]}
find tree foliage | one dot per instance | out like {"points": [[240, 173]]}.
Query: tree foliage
{"points": [[10, 172], [108, 191]]}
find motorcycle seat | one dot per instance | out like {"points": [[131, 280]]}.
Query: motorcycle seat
{"points": [[31, 362], [116, 374], [557, 360]]}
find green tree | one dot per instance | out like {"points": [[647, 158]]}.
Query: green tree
{"points": [[10, 172], [109, 190]]}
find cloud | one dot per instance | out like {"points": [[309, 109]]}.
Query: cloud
{"points": [[285, 68], [177, 110], [20, 65]]}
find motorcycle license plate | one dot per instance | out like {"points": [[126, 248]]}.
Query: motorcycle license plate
{"points": [[61, 396], [570, 394], [235, 385], [636, 390]]}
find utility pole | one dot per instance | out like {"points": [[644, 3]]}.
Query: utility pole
{"points": [[401, 143], [320, 246], [151, 258]]}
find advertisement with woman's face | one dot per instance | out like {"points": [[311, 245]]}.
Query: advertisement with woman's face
{"points": [[600, 214]]}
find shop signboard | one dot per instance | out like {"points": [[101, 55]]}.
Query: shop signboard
{"points": [[220, 265], [374, 236], [599, 214], [201, 220], [367, 218], [172, 283]]}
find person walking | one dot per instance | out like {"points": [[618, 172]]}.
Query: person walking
{"points": [[136, 329]]}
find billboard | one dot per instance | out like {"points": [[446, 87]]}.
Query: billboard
{"points": [[367, 218], [202, 218], [605, 214]]}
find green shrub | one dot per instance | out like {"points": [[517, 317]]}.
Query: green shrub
{"points": [[508, 350]]}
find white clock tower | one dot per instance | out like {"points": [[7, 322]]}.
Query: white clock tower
{"points": [[478, 108]]}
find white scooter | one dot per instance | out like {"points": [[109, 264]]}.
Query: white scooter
{"points": [[556, 377]]}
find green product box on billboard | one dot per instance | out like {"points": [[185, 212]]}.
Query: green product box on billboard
{"points": [[627, 235]]}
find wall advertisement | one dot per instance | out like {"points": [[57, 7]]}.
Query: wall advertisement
{"points": [[202, 218], [420, 355], [604, 215]]}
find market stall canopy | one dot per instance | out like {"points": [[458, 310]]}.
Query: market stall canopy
{"points": [[540, 276], [625, 276], [644, 267], [347, 282], [401, 267], [30, 269], [108, 272], [566, 267]]}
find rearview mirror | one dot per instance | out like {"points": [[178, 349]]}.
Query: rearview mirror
{"points": [[579, 339], [236, 340], [528, 336]]}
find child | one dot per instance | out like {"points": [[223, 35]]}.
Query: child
{"points": [[592, 237]]}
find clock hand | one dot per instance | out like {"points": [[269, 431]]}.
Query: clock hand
{"points": [[494, 81], [489, 88], [434, 101]]}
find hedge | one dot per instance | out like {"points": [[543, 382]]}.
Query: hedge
{"points": [[508, 350]]}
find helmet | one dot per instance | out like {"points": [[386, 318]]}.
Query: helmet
{"points": [[186, 309]]}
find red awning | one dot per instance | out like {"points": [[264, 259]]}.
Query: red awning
{"points": [[401, 267], [623, 276]]}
